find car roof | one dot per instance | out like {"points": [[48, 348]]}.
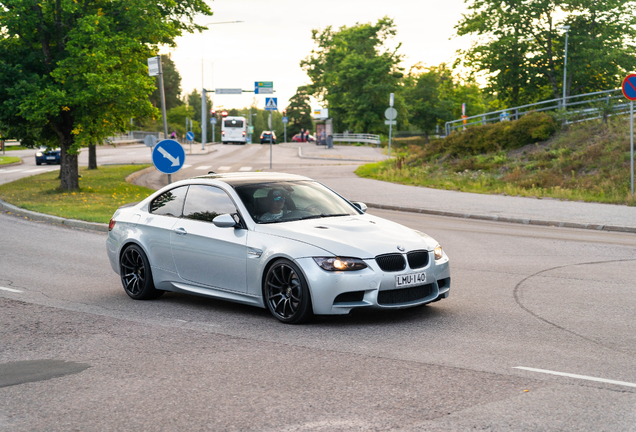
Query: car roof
{"points": [[248, 178]]}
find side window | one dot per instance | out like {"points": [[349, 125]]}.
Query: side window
{"points": [[204, 203], [169, 203]]}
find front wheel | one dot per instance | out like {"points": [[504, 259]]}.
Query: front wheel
{"points": [[136, 276], [287, 293]]}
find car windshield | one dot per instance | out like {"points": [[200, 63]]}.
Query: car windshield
{"points": [[292, 201]]}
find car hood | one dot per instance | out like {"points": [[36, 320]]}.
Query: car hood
{"points": [[363, 236]]}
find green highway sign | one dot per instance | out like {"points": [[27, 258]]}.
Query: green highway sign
{"points": [[263, 87]]}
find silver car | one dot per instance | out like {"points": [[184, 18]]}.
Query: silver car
{"points": [[276, 241]]}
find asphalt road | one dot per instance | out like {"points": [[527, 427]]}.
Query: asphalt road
{"points": [[77, 354]]}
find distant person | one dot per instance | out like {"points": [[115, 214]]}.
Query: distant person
{"points": [[302, 134], [307, 135], [276, 201], [173, 135]]}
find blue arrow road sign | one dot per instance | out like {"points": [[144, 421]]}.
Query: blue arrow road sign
{"points": [[190, 136], [271, 104], [168, 156], [629, 87]]}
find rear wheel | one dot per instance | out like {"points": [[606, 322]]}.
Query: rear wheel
{"points": [[136, 276], [287, 293]]}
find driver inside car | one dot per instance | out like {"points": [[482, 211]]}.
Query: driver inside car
{"points": [[276, 201]]}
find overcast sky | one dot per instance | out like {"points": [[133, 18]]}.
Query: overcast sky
{"points": [[276, 35]]}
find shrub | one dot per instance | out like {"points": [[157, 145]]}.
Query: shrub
{"points": [[489, 138]]}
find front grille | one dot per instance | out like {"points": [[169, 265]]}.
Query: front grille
{"points": [[417, 259], [404, 295], [391, 262]]}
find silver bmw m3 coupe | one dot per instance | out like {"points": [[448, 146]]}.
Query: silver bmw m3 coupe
{"points": [[277, 241]]}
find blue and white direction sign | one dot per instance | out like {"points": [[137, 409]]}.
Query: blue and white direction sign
{"points": [[190, 136], [629, 87], [213, 120], [285, 120], [271, 104], [263, 87], [168, 156]]}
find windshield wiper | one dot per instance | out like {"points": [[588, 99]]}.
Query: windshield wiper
{"points": [[320, 216]]}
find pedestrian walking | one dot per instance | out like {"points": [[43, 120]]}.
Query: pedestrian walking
{"points": [[302, 134]]}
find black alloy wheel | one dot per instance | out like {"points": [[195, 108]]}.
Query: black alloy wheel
{"points": [[136, 276], [287, 294]]}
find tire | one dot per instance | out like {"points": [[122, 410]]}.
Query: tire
{"points": [[286, 293], [38, 163], [136, 276]]}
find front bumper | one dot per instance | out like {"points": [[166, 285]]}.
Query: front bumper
{"points": [[337, 293]]}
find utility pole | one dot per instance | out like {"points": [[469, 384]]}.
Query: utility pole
{"points": [[204, 119], [565, 62]]}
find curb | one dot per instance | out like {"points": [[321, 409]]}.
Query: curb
{"points": [[597, 227], [56, 220], [12, 164], [300, 155]]}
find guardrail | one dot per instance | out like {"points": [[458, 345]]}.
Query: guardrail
{"points": [[578, 108], [357, 138]]}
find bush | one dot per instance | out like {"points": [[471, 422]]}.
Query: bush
{"points": [[530, 128]]}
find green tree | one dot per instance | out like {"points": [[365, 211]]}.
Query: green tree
{"points": [[73, 73], [194, 100], [171, 85], [299, 113], [353, 73], [521, 50]]}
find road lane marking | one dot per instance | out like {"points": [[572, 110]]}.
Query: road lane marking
{"points": [[185, 166], [583, 377], [224, 168], [9, 171], [35, 170], [10, 290], [245, 168], [204, 167]]}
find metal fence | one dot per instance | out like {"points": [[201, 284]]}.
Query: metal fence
{"points": [[357, 138], [576, 109], [134, 136]]}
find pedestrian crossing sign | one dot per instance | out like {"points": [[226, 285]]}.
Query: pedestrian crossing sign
{"points": [[271, 104]]}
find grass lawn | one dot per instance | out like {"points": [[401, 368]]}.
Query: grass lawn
{"points": [[585, 162], [4, 160], [101, 192], [15, 147]]}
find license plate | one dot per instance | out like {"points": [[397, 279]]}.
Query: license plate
{"points": [[50, 158], [411, 279]]}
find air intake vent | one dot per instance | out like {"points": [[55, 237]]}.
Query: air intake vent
{"points": [[405, 295], [391, 262], [417, 259]]}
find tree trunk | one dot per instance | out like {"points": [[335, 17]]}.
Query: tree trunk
{"points": [[69, 170], [92, 157]]}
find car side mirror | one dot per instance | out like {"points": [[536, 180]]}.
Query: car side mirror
{"points": [[224, 221], [362, 206]]}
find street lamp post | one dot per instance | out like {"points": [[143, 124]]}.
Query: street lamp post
{"points": [[204, 117], [565, 62]]}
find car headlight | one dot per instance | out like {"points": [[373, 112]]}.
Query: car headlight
{"points": [[438, 252], [340, 263], [39, 154]]}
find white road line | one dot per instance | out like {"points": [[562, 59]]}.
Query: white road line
{"points": [[583, 377], [9, 171], [245, 168], [10, 290], [185, 166], [35, 170], [203, 167], [223, 168]]}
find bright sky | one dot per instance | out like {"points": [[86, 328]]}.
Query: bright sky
{"points": [[276, 35]]}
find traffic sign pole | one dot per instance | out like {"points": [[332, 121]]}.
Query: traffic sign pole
{"points": [[631, 122], [629, 91]]}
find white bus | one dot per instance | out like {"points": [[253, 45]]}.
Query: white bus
{"points": [[234, 130]]}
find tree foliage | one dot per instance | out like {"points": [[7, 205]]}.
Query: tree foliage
{"points": [[521, 49], [72, 73], [352, 72], [299, 113], [171, 85]]}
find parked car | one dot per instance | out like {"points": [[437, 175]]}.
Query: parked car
{"points": [[47, 156], [277, 241], [265, 137], [296, 138]]}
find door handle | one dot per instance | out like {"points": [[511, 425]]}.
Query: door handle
{"points": [[180, 231]]}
